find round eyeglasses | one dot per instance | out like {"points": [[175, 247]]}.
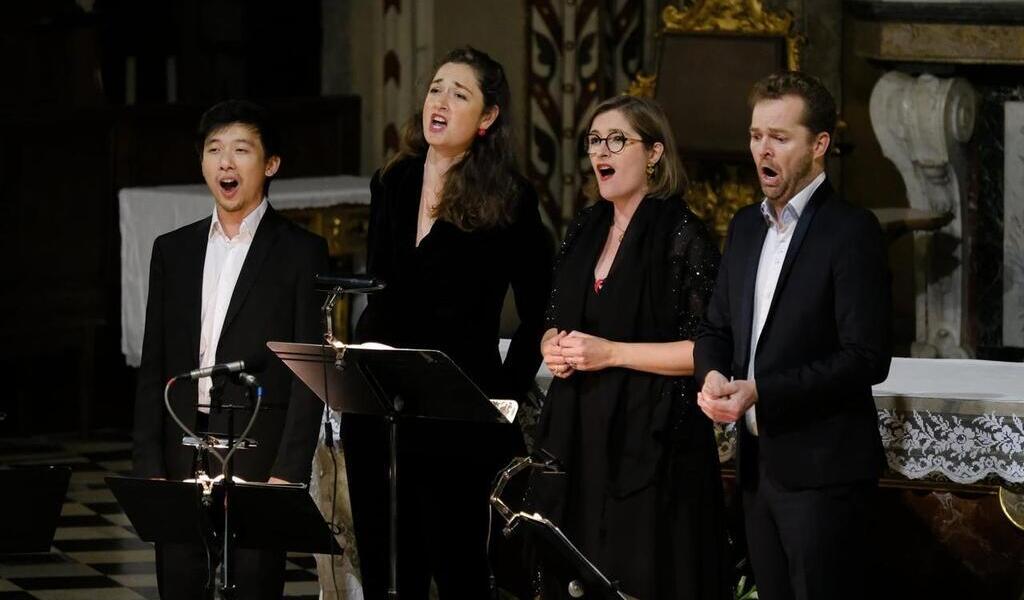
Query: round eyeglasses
{"points": [[615, 142]]}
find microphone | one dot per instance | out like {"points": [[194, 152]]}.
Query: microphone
{"points": [[355, 283], [255, 365]]}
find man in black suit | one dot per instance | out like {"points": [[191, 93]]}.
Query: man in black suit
{"points": [[219, 289], [794, 337]]}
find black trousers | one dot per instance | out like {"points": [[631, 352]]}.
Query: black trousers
{"points": [[811, 544], [182, 574]]}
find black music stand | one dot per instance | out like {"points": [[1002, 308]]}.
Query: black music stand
{"points": [[403, 385], [280, 517], [167, 511], [264, 516], [30, 507]]}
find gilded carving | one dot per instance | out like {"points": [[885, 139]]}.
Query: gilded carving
{"points": [[793, 45], [716, 205], [642, 86], [741, 16], [746, 17]]}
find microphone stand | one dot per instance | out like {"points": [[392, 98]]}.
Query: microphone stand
{"points": [[336, 288], [208, 444], [604, 588], [228, 589]]}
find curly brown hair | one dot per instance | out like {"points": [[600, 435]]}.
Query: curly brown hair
{"points": [[481, 190]]}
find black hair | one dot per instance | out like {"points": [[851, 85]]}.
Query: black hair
{"points": [[252, 115]]}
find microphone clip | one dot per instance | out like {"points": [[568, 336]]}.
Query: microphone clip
{"points": [[247, 379]]}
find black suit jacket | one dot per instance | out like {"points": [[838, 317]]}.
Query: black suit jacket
{"points": [[274, 300], [824, 344]]}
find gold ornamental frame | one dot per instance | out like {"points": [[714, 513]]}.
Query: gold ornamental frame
{"points": [[745, 17], [738, 17]]}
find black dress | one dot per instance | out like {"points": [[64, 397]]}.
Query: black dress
{"points": [[642, 495], [446, 294]]}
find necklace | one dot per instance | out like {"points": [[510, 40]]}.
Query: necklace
{"points": [[426, 218], [619, 230]]}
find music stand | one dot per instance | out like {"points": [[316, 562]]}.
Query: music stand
{"points": [[264, 516], [30, 507], [403, 384], [280, 517], [167, 511]]}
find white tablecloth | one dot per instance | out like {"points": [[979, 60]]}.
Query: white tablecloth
{"points": [[962, 420], [953, 385], [146, 213]]}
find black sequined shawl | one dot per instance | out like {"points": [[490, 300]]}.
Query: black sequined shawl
{"points": [[657, 290]]}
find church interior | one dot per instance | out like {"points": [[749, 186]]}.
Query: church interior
{"points": [[98, 110]]}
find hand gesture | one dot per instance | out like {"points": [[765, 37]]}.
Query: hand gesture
{"points": [[553, 357], [726, 401], [585, 352]]}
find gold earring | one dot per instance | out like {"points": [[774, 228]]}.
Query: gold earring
{"points": [[650, 170]]}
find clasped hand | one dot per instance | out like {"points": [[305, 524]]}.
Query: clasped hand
{"points": [[725, 401], [569, 351]]}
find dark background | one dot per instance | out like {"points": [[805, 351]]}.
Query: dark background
{"points": [[76, 126]]}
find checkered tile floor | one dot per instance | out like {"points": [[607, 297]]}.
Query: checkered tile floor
{"points": [[96, 553]]}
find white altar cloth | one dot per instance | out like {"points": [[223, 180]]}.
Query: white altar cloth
{"points": [[962, 420]]}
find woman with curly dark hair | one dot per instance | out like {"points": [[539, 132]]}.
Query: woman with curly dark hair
{"points": [[452, 226]]}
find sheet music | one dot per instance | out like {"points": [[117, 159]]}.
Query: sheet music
{"points": [[507, 408], [370, 346]]}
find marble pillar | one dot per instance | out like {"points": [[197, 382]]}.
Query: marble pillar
{"points": [[1013, 226], [405, 51], [922, 124]]}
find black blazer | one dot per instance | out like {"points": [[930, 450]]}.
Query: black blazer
{"points": [[448, 292], [824, 344], [273, 300]]}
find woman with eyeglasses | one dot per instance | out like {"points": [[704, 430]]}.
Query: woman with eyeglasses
{"points": [[453, 225], [642, 496]]}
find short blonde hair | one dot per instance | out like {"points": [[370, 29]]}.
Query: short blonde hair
{"points": [[648, 119]]}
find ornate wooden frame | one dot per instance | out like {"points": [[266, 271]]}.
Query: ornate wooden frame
{"points": [[740, 17]]}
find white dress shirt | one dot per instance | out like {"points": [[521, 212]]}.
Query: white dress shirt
{"points": [[773, 254], [224, 259]]}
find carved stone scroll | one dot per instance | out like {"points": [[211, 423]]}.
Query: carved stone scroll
{"points": [[922, 124]]}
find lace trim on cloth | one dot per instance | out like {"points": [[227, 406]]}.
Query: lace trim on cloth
{"points": [[965, 449], [725, 438]]}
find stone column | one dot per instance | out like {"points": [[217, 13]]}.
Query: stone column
{"points": [[922, 124], [406, 52]]}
